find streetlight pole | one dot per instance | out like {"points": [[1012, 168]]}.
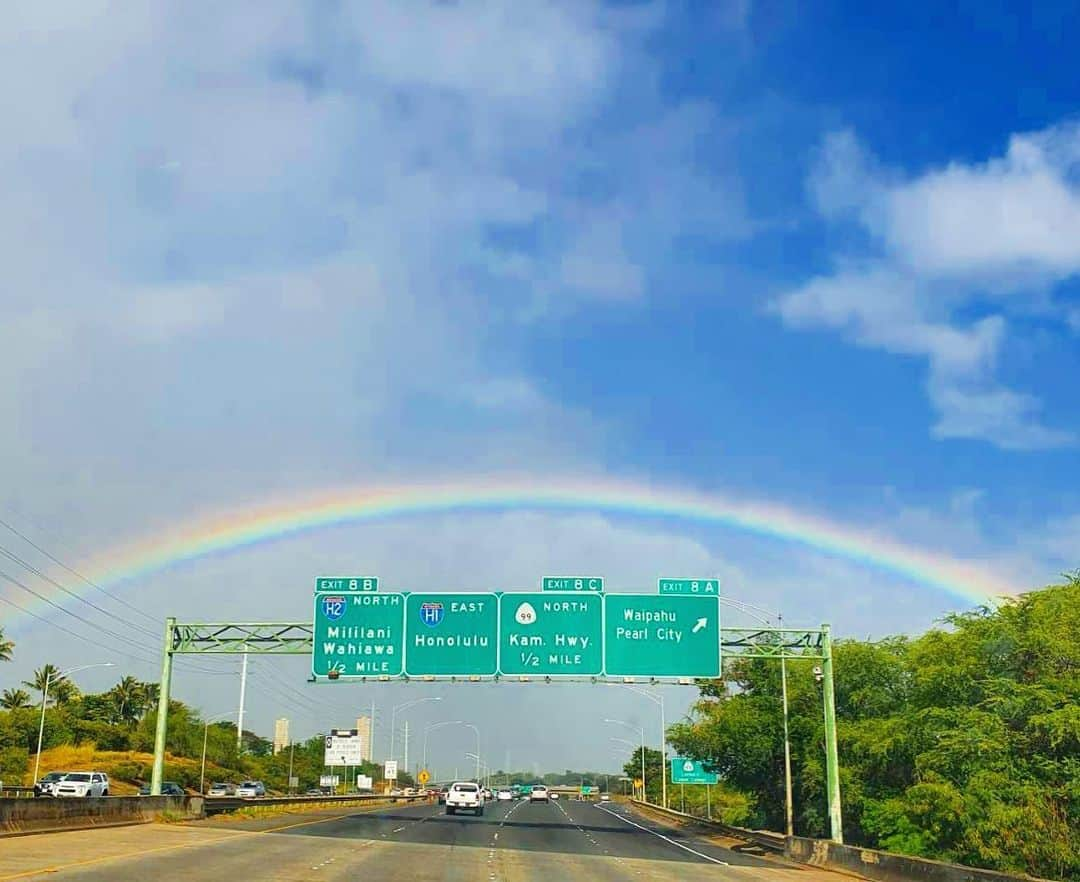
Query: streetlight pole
{"points": [[633, 728], [477, 731], [656, 698], [206, 733], [431, 727], [405, 705], [45, 697]]}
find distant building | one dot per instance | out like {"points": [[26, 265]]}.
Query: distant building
{"points": [[363, 727], [281, 735]]}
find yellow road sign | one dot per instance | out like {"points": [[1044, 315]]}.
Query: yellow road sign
{"points": [[423, 777]]}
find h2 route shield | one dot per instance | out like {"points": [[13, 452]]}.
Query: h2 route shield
{"points": [[650, 635], [545, 634], [451, 635], [358, 634]]}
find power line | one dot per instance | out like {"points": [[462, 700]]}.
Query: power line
{"points": [[75, 572], [41, 575]]}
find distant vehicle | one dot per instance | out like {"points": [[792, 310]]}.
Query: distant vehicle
{"points": [[488, 795], [251, 789], [465, 796], [539, 793], [605, 797], [313, 791], [218, 789], [553, 795], [171, 788], [44, 787], [442, 795], [504, 795], [82, 784], [409, 791]]}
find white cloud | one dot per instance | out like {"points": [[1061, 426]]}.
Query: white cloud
{"points": [[990, 236]]}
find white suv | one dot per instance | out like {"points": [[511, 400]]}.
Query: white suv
{"points": [[82, 784], [465, 795], [539, 794], [251, 789]]}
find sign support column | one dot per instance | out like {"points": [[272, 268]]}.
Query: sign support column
{"points": [[832, 759], [158, 769]]}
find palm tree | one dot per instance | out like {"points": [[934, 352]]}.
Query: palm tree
{"points": [[128, 695], [15, 698], [6, 647], [60, 691]]}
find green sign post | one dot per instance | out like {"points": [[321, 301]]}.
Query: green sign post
{"points": [[572, 583], [688, 771], [451, 635], [689, 586], [347, 583], [655, 635], [548, 635], [358, 634]]}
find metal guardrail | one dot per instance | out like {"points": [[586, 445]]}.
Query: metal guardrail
{"points": [[216, 805], [765, 839], [16, 792]]}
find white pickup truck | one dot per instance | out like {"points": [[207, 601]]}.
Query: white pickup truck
{"points": [[464, 796]]}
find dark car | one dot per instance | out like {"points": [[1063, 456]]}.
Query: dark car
{"points": [[168, 788], [44, 786], [442, 795]]}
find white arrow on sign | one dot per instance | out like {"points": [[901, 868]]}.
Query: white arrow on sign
{"points": [[701, 623]]}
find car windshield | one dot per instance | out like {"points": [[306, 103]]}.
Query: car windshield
{"points": [[538, 787], [77, 776], [54, 776], [466, 788], [249, 784]]}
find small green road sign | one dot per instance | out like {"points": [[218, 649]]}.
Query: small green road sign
{"points": [[688, 771], [689, 586], [547, 635], [347, 583], [452, 635], [358, 634], [572, 583], [658, 635]]}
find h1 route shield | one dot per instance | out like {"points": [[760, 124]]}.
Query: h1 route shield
{"points": [[688, 771], [448, 635], [545, 634], [661, 635], [358, 634]]}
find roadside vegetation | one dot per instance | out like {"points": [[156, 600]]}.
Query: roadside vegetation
{"points": [[962, 744]]}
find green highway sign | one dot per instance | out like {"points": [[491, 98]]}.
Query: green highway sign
{"points": [[358, 634], [451, 635], [347, 583], [572, 583], [688, 771], [547, 635], [661, 635], [689, 586]]}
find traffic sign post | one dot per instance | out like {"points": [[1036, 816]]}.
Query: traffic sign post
{"points": [[572, 583], [423, 777], [650, 635], [347, 583], [359, 634], [688, 771], [543, 634], [390, 770], [343, 747], [689, 586], [448, 635]]}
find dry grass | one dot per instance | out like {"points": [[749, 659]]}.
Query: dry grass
{"points": [[126, 768]]}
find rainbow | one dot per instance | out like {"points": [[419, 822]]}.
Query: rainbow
{"points": [[235, 531]]}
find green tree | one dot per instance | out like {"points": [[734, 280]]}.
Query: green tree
{"points": [[15, 698], [61, 691], [7, 647]]}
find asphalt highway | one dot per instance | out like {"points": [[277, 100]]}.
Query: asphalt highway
{"points": [[512, 842]]}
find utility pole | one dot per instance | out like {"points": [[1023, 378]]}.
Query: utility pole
{"points": [[405, 765], [832, 758], [789, 813], [371, 734], [240, 715]]}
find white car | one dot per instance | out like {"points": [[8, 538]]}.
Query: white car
{"points": [[553, 795], [82, 784], [539, 794], [251, 789], [465, 796], [604, 797], [504, 795], [218, 789]]}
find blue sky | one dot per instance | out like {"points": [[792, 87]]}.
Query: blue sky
{"points": [[825, 257]]}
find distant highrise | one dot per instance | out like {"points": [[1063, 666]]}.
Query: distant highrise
{"points": [[363, 727], [281, 735]]}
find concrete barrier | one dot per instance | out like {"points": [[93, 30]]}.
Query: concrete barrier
{"points": [[20, 816], [885, 866]]}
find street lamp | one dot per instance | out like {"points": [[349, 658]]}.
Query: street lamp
{"points": [[45, 697], [656, 698], [405, 705], [479, 763], [633, 728], [206, 733], [432, 726]]}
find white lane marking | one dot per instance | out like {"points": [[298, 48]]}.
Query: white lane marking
{"points": [[667, 839]]}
